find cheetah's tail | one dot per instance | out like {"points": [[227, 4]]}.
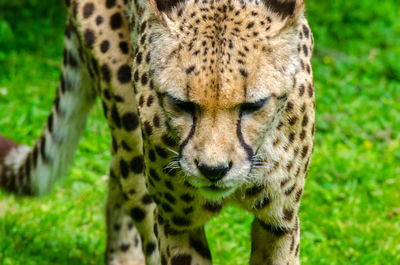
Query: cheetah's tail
{"points": [[33, 170]]}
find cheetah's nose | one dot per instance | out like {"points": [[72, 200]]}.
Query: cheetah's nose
{"points": [[213, 173]]}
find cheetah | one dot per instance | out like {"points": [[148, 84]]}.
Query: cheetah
{"points": [[209, 103]]}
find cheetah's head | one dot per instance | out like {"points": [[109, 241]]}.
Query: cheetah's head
{"points": [[224, 71]]}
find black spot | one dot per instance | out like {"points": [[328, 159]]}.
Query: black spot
{"points": [[56, 104], [104, 46], [130, 121], [147, 128], [304, 151], [43, 149], [243, 73], [291, 137], [35, 155], [180, 221], [254, 190], [124, 47], [123, 165], [306, 31], [289, 106], [190, 69], [155, 230], [137, 164], [275, 230], [138, 214], [288, 214], [152, 155], [164, 260], [182, 259], [147, 199], [305, 50], [305, 121], [69, 59], [188, 210], [89, 38], [156, 121], [154, 175], [298, 195], [292, 120], [150, 247], [110, 3], [150, 100], [105, 70], [187, 197], [115, 116], [144, 79], [302, 90], [161, 152], [250, 25], [166, 207], [107, 94], [124, 74], [138, 57], [310, 91], [99, 20], [124, 247], [168, 140], [290, 190], [170, 198], [169, 185], [262, 203], [116, 21], [143, 26], [50, 123], [143, 39], [105, 109], [136, 76], [212, 207], [88, 10], [114, 144], [203, 250]]}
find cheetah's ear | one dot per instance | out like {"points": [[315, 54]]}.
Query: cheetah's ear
{"points": [[285, 8], [163, 6]]}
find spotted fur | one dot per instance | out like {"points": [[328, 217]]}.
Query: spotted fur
{"points": [[209, 103]]}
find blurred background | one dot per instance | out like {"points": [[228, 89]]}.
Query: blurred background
{"points": [[350, 210]]}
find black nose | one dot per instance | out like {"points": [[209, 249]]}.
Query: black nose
{"points": [[213, 173]]}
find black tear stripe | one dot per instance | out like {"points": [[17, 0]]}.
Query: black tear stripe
{"points": [[284, 8], [191, 133], [243, 143], [167, 5]]}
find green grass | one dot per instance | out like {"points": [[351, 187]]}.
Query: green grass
{"points": [[351, 205]]}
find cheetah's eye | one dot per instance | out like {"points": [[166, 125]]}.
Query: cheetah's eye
{"points": [[248, 108], [185, 106]]}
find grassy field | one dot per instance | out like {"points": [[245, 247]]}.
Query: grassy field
{"points": [[351, 206]]}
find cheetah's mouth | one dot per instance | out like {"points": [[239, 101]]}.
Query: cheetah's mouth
{"points": [[216, 192]]}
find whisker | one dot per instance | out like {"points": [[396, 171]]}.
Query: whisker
{"points": [[172, 151]]}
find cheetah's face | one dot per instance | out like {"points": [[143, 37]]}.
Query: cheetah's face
{"points": [[223, 84]]}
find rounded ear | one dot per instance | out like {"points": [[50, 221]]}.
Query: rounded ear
{"points": [[163, 6], [285, 8]]}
